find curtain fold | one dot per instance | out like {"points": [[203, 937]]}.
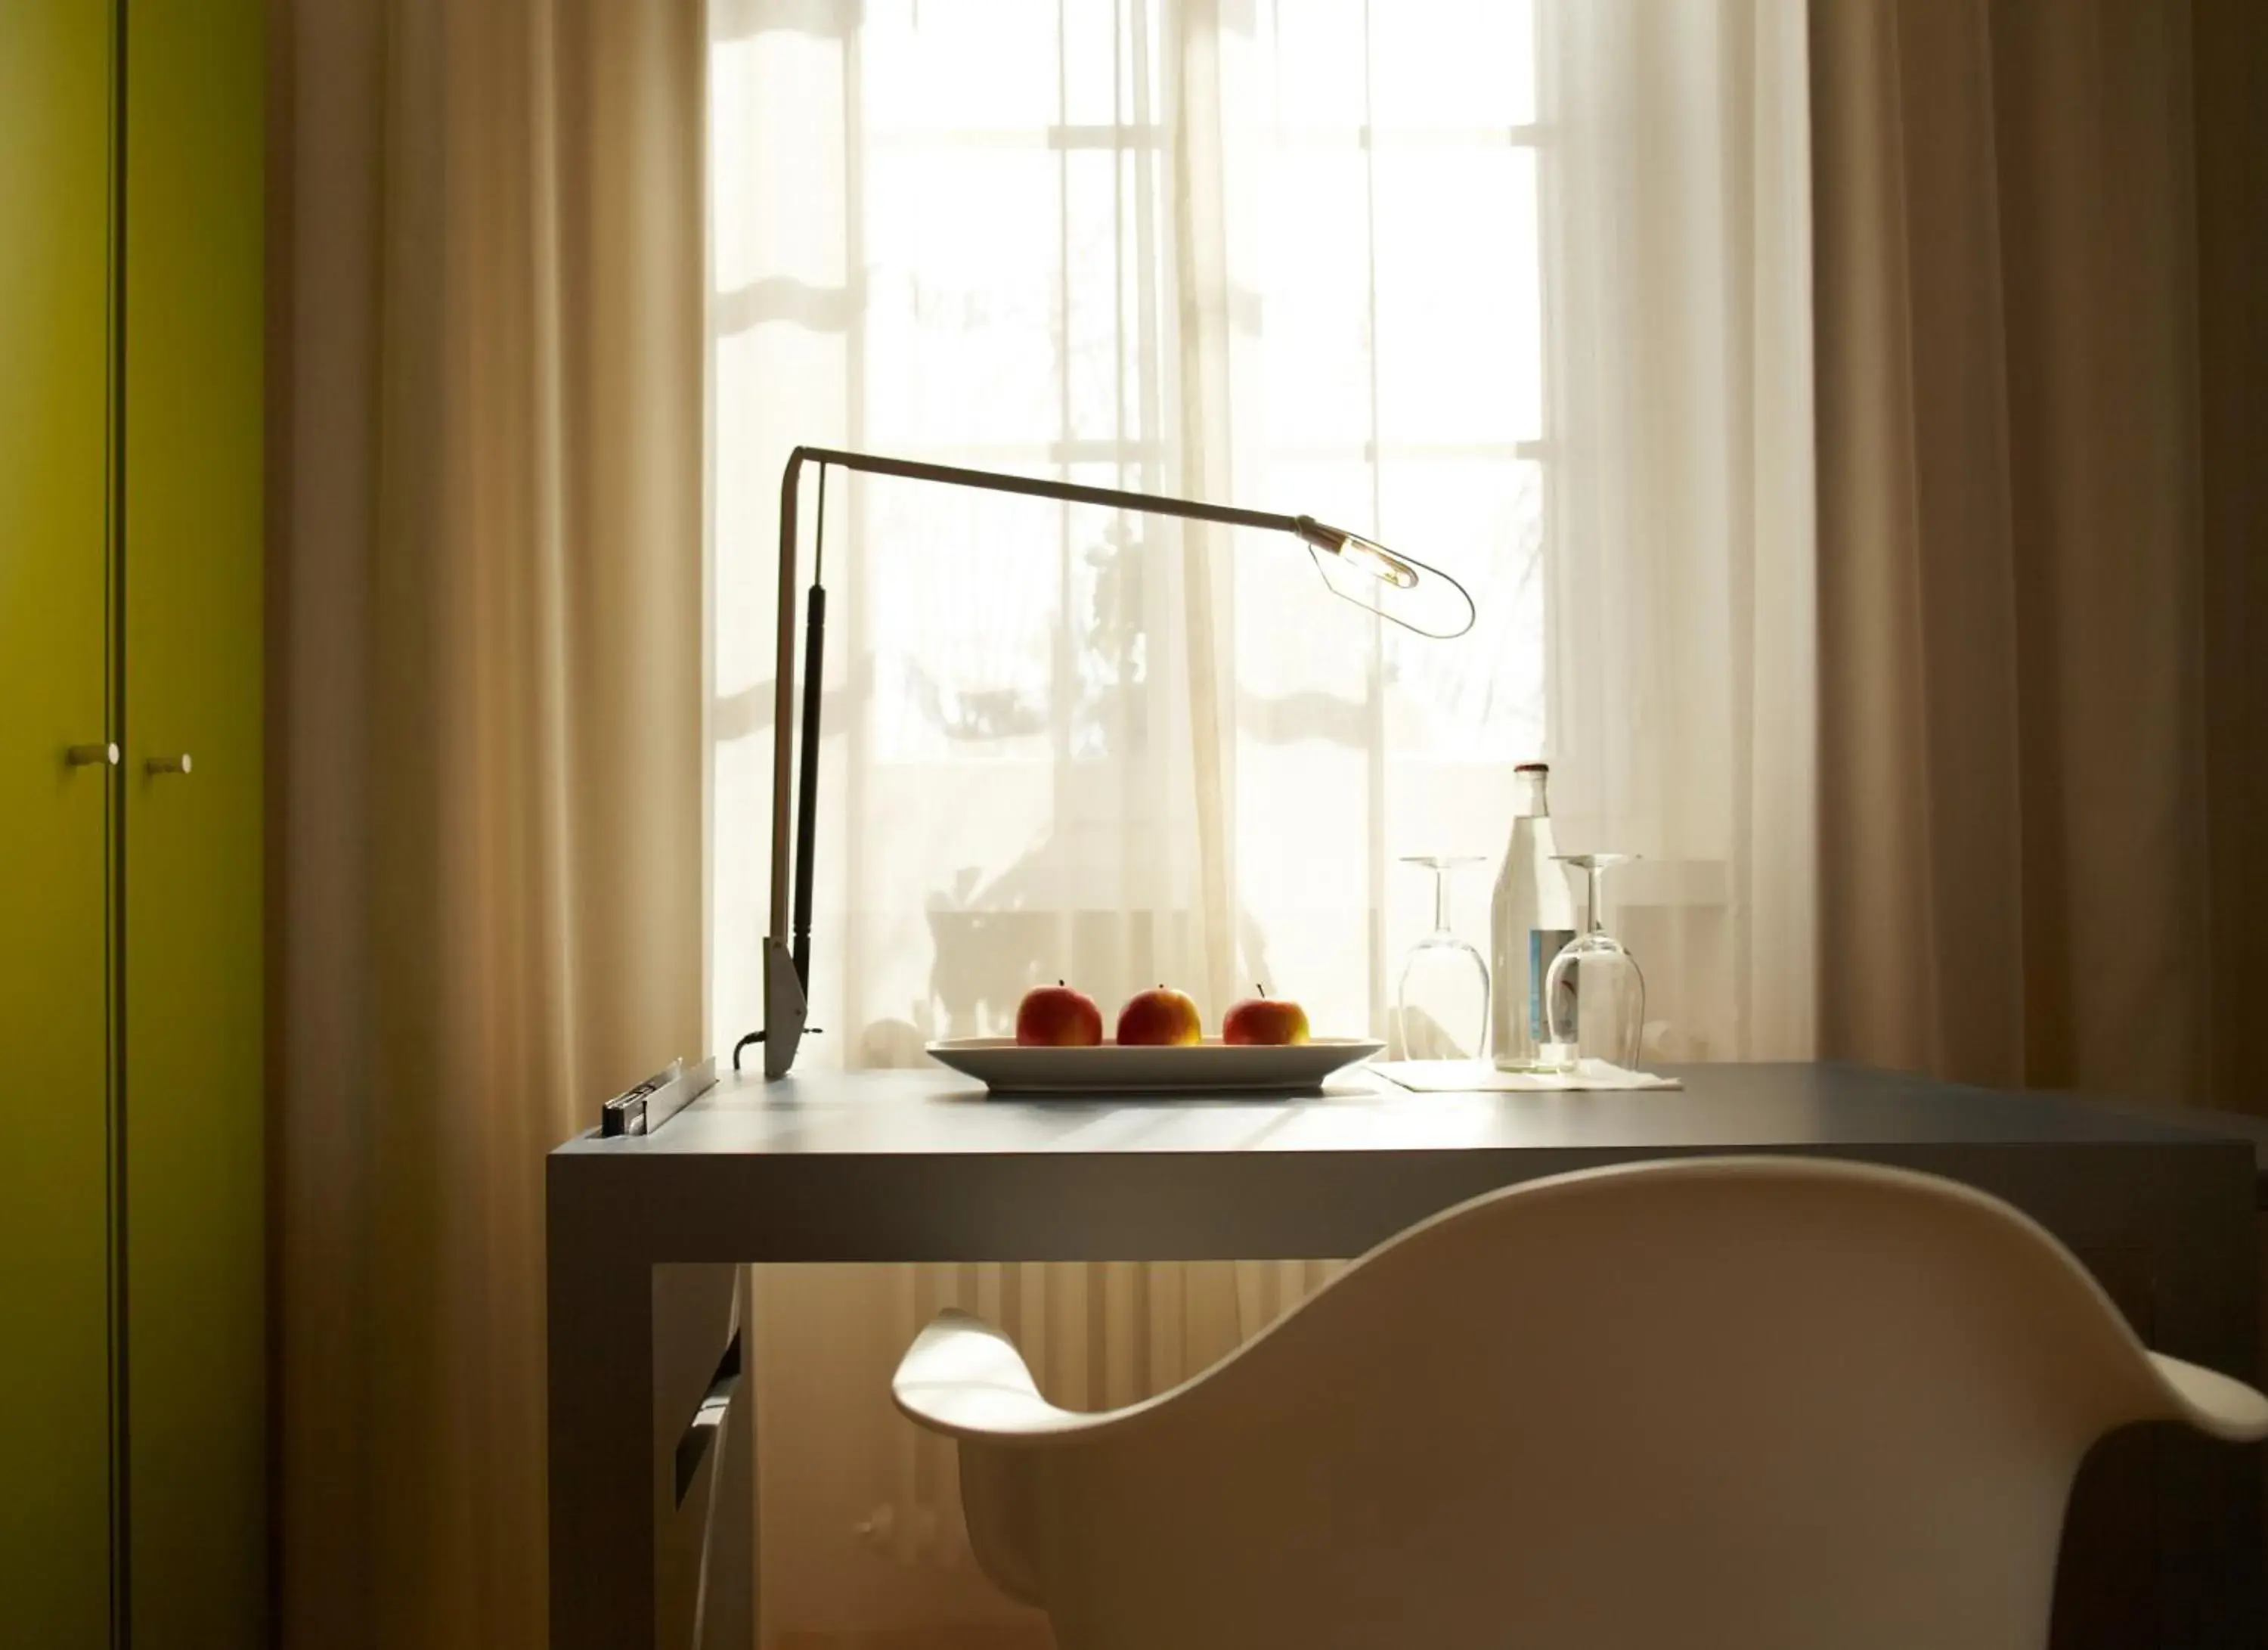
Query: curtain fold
{"points": [[2229, 68], [2024, 760], [1682, 611], [487, 744]]}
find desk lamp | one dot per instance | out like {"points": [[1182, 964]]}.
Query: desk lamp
{"points": [[1352, 568]]}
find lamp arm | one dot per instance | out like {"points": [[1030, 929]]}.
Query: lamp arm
{"points": [[1039, 486], [784, 694]]}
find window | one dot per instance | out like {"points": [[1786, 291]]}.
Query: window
{"points": [[1289, 259]]}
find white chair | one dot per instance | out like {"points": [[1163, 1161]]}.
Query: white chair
{"points": [[1763, 1403]]}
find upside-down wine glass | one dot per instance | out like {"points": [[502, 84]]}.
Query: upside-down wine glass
{"points": [[1442, 1007], [1594, 995]]}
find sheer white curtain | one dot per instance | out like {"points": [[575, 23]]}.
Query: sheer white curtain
{"points": [[1680, 697], [1516, 288]]}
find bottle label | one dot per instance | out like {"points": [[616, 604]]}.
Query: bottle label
{"points": [[1543, 944]]}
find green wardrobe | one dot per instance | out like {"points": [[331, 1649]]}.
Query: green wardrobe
{"points": [[133, 1499]]}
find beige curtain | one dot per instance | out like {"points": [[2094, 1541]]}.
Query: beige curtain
{"points": [[2042, 702], [1681, 612], [487, 342]]}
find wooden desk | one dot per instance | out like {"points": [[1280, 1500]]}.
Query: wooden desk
{"points": [[647, 1237]]}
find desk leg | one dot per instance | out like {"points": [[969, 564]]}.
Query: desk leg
{"points": [[703, 1493], [599, 1305], [728, 1587]]}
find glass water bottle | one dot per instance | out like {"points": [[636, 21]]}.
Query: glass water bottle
{"points": [[1534, 916]]}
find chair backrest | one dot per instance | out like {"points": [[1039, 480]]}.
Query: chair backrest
{"points": [[1768, 1404]]}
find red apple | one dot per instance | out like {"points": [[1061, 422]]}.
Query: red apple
{"points": [[1163, 1016], [1056, 1017], [1265, 1019]]}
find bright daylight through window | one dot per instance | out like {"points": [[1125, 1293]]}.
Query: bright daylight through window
{"points": [[1290, 260]]}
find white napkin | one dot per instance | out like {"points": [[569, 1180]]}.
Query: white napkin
{"points": [[1465, 1077]]}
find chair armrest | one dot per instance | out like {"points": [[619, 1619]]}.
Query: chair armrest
{"points": [[963, 1378], [2212, 1402]]}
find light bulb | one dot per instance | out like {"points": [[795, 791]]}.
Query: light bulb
{"points": [[1379, 563]]}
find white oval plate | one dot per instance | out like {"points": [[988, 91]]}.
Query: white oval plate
{"points": [[1209, 1067]]}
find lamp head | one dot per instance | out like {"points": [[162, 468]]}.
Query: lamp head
{"points": [[1401, 591]]}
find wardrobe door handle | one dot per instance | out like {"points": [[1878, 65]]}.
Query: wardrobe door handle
{"points": [[169, 765], [92, 756]]}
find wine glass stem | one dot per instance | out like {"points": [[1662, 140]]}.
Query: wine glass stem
{"points": [[1441, 900], [1596, 924]]}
